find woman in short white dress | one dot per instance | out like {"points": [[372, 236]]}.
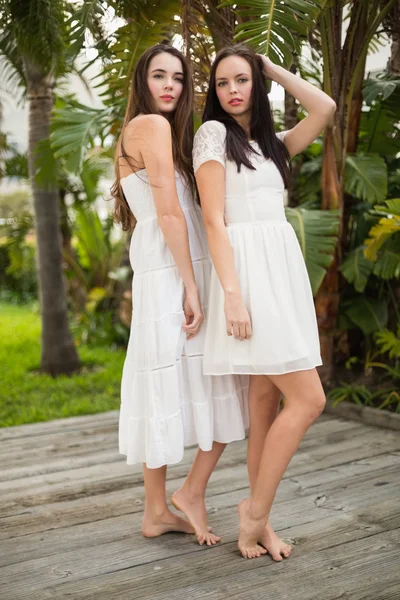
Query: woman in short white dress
{"points": [[167, 403], [261, 316]]}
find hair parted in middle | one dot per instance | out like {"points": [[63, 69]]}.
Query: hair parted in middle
{"points": [[140, 101], [238, 148]]}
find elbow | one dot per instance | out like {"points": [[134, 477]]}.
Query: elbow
{"points": [[330, 107]]}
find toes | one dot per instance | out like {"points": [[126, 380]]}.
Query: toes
{"points": [[277, 557], [261, 550]]}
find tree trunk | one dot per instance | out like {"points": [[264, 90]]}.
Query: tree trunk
{"points": [[394, 61], [58, 353]]}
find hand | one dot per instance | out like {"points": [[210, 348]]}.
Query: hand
{"points": [[237, 317], [268, 66], [193, 314]]}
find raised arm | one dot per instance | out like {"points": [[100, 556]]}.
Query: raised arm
{"points": [[210, 177], [152, 135], [320, 106]]}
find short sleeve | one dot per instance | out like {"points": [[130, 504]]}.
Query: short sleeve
{"points": [[281, 135], [209, 144]]}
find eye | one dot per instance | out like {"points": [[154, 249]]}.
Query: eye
{"points": [[243, 80], [180, 80], [221, 83], [157, 76]]}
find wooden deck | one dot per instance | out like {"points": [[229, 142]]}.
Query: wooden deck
{"points": [[71, 511]]}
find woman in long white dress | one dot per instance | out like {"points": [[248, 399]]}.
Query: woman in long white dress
{"points": [[166, 401], [261, 316]]}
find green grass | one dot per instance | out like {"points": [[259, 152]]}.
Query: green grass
{"points": [[28, 397]]}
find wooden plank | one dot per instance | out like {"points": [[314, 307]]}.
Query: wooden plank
{"points": [[218, 573], [56, 444], [123, 553], [365, 414], [21, 521], [47, 488], [66, 425]]}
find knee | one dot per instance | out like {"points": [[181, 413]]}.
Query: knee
{"points": [[316, 405]]}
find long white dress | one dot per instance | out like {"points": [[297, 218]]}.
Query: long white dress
{"points": [[166, 401], [270, 266]]}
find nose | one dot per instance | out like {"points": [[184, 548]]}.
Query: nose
{"points": [[232, 87], [168, 84]]}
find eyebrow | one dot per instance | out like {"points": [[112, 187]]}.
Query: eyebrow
{"points": [[240, 75], [164, 71]]}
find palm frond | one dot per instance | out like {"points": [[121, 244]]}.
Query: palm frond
{"points": [[276, 28], [356, 268], [366, 177], [386, 227], [317, 232]]}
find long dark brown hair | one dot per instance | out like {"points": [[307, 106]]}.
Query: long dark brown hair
{"points": [[141, 102], [238, 148]]}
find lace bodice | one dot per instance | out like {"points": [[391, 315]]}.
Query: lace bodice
{"points": [[250, 195], [209, 144]]}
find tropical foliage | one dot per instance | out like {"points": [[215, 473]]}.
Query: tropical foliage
{"points": [[344, 197]]}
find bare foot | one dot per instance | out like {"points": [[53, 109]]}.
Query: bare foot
{"points": [[250, 531], [276, 547], [158, 525], [194, 509]]}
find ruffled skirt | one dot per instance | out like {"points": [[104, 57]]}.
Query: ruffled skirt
{"points": [[166, 401]]}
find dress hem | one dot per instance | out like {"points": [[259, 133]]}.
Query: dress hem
{"points": [[189, 445], [232, 372]]}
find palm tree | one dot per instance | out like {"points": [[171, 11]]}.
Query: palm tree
{"points": [[33, 48]]}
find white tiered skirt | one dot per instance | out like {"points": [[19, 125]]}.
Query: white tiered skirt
{"points": [[166, 401], [276, 290]]}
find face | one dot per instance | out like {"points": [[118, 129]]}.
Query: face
{"points": [[233, 79], [165, 81]]}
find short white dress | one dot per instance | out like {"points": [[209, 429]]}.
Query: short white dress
{"points": [[269, 263], [166, 401]]}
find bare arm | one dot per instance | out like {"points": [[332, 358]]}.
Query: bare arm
{"points": [[210, 179], [320, 107], [152, 135]]}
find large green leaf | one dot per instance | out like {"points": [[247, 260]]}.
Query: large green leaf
{"points": [[368, 314], [386, 228], [356, 268], [317, 232], [275, 27], [366, 177], [379, 87], [74, 130], [387, 265], [379, 127]]}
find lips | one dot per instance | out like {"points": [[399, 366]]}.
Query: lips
{"points": [[235, 101], [167, 97]]}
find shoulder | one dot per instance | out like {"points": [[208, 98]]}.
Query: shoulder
{"points": [[209, 144], [281, 135], [210, 128], [155, 125]]}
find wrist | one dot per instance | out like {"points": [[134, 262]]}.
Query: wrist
{"points": [[232, 292], [277, 73], [191, 289]]}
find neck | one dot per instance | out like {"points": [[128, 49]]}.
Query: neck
{"points": [[244, 121]]}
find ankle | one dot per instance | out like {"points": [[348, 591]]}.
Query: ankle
{"points": [[192, 490], [257, 512], [155, 511]]}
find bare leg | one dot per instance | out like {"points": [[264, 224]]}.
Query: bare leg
{"points": [[189, 499], [304, 402], [264, 402], [158, 519]]}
